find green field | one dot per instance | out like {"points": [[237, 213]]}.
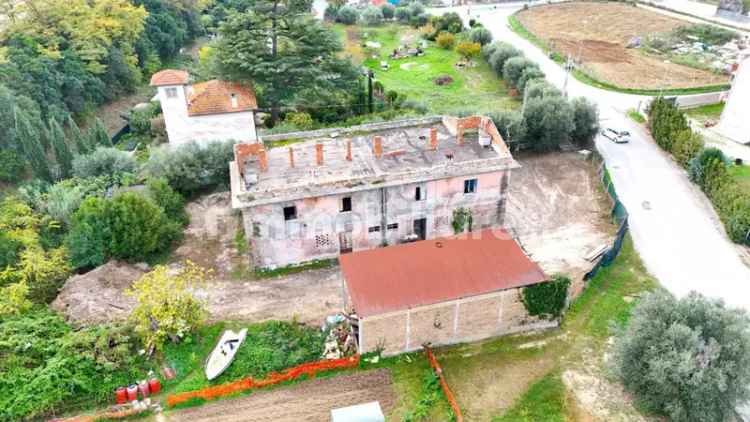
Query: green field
{"points": [[706, 112], [475, 89]]}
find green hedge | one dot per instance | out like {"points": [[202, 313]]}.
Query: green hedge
{"points": [[547, 300], [707, 167]]}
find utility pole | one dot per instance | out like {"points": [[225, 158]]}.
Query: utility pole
{"points": [[568, 68]]}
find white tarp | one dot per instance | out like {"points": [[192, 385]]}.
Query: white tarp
{"points": [[365, 412], [735, 120]]}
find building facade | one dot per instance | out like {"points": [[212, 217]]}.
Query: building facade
{"points": [[404, 182], [207, 111]]}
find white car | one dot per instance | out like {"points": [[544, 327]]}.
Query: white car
{"points": [[618, 137]]}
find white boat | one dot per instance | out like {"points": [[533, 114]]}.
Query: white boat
{"points": [[224, 352]]}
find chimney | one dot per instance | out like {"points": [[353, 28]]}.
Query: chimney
{"points": [[291, 157], [460, 134], [378, 146], [263, 160], [348, 150], [433, 139], [319, 154]]}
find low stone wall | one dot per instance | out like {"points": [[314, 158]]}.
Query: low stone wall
{"points": [[368, 127]]}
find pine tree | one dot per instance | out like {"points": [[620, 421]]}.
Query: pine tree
{"points": [[32, 148], [77, 138], [98, 135], [63, 156]]}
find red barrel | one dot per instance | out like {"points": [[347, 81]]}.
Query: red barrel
{"points": [[132, 392], [143, 388], [121, 395], [154, 385]]}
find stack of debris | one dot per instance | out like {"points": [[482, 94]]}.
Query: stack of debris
{"points": [[341, 340]]}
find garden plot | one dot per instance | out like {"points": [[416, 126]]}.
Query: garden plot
{"points": [[475, 88], [306, 401], [599, 35]]}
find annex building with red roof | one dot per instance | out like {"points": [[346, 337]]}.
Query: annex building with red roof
{"points": [[441, 291], [208, 111]]}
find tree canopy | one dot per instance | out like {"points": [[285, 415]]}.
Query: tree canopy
{"points": [[285, 52]]}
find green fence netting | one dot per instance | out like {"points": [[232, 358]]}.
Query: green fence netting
{"points": [[620, 216]]}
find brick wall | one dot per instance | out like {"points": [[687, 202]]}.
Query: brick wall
{"points": [[456, 321]]}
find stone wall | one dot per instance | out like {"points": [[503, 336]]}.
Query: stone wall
{"points": [[456, 321]]}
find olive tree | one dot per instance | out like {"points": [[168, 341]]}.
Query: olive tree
{"points": [[586, 119], [688, 359], [548, 122]]}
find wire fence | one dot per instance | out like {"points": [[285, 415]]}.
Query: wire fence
{"points": [[620, 216]]}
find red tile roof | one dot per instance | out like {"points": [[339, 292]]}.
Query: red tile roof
{"points": [[432, 271], [214, 97], [169, 77]]}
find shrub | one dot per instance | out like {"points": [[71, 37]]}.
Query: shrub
{"points": [[63, 199], [445, 40], [331, 13], [10, 247], [585, 119], [128, 226], [103, 161], [415, 9], [529, 74], [419, 20], [686, 146], [89, 236], [514, 67], [11, 166], [46, 365], [501, 53], [347, 15], [468, 50], [167, 199], [480, 35], [697, 166], [540, 88], [372, 15], [547, 300], [138, 227], [166, 307], [301, 120], [686, 358], [509, 124], [548, 122], [192, 168], [402, 14], [140, 120], [449, 22], [388, 10]]}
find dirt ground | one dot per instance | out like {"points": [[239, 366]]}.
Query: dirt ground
{"points": [[554, 208], [307, 401], [557, 211], [599, 32]]}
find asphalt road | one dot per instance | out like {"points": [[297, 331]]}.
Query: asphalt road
{"points": [[673, 225]]}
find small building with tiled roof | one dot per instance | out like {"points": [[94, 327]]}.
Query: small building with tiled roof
{"points": [[442, 291], [208, 111]]}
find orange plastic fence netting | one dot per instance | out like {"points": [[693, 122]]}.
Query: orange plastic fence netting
{"points": [[310, 369], [448, 393]]}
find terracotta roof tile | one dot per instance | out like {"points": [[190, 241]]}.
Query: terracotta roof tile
{"points": [[214, 97], [432, 271], [169, 77]]}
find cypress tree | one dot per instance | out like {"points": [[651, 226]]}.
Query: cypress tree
{"points": [[99, 135], [77, 138], [32, 148], [63, 156]]}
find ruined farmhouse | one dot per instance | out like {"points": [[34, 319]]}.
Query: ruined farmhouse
{"points": [[401, 181]]}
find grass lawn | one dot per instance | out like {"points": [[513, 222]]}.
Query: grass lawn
{"points": [[706, 112], [636, 116], [475, 89], [544, 401], [741, 174]]}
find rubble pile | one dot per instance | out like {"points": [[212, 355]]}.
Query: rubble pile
{"points": [[341, 340]]}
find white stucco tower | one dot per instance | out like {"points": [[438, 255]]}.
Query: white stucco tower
{"points": [[735, 120], [206, 111]]}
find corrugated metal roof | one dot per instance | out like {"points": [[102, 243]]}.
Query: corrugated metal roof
{"points": [[432, 271]]}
